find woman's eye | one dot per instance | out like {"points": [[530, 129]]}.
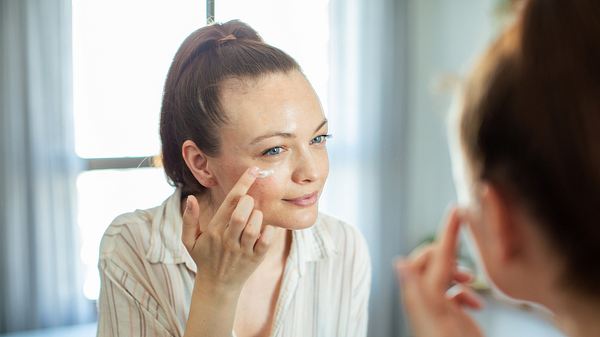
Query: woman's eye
{"points": [[273, 151], [320, 139]]}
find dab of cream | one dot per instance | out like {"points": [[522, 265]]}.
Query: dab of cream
{"points": [[264, 174]]}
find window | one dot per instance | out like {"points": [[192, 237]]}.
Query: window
{"points": [[121, 54]]}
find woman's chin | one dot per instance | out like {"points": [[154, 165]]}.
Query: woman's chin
{"points": [[294, 219]]}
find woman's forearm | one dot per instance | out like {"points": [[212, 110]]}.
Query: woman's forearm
{"points": [[212, 312]]}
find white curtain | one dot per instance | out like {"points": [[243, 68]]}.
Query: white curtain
{"points": [[40, 278], [368, 82]]}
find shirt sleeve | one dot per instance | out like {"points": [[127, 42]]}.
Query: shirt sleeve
{"points": [[125, 308]]}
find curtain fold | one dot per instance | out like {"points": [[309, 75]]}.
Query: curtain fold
{"points": [[369, 81], [40, 275]]}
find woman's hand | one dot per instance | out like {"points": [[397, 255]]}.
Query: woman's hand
{"points": [[425, 279], [226, 252], [233, 244]]}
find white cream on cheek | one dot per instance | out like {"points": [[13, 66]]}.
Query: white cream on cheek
{"points": [[269, 183], [267, 192], [262, 174]]}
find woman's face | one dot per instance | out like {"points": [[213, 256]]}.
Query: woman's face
{"points": [[276, 123]]}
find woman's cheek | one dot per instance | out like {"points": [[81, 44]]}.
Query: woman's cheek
{"points": [[325, 165], [266, 191]]}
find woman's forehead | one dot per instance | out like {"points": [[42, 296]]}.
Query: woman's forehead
{"points": [[277, 102]]}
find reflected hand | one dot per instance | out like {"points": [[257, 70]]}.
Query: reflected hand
{"points": [[425, 278]]}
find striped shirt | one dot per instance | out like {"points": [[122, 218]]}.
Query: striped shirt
{"points": [[147, 277]]}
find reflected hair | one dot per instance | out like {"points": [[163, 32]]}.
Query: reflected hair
{"points": [[530, 125]]}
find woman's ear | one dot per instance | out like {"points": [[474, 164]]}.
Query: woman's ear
{"points": [[197, 161], [502, 220]]}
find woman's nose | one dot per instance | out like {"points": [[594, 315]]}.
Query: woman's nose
{"points": [[308, 167]]}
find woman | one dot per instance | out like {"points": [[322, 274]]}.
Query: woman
{"points": [[529, 127], [240, 246]]}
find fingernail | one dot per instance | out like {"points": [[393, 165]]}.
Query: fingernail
{"points": [[402, 269], [254, 171], [187, 202], [404, 273], [398, 262]]}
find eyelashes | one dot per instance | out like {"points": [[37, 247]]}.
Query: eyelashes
{"points": [[321, 139], [277, 150], [273, 151]]}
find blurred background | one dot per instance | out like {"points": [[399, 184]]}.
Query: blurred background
{"points": [[80, 91]]}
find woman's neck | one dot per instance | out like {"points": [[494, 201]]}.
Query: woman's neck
{"points": [[576, 315], [280, 249]]}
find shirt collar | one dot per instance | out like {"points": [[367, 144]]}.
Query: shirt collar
{"points": [[165, 237], [308, 245], [311, 244]]}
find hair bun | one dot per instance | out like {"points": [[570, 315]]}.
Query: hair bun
{"points": [[229, 37], [241, 31]]}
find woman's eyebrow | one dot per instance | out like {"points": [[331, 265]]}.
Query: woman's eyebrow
{"points": [[321, 125], [282, 134], [274, 134]]}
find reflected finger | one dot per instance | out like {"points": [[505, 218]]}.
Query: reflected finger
{"points": [[464, 296]]}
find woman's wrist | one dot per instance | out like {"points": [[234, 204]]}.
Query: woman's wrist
{"points": [[217, 292], [212, 311]]}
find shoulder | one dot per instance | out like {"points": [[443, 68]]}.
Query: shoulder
{"points": [[346, 240], [343, 235], [128, 232]]}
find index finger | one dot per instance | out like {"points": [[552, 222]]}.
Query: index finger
{"points": [[240, 188], [444, 258]]}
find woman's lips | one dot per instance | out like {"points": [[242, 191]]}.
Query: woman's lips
{"points": [[305, 200]]}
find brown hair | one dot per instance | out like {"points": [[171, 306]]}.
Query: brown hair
{"points": [[531, 125], [191, 107]]}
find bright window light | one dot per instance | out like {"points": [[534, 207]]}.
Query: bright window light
{"points": [[104, 194], [122, 50]]}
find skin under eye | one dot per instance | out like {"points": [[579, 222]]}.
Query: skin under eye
{"points": [[321, 139]]}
